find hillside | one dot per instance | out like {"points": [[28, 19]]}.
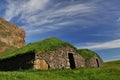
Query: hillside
{"points": [[11, 36], [113, 64]]}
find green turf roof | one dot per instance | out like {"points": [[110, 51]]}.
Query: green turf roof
{"points": [[86, 53], [43, 46]]}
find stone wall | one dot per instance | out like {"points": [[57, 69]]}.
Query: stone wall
{"points": [[59, 58], [65, 57], [95, 61], [40, 64]]}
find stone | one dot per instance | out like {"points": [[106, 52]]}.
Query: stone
{"points": [[40, 64], [59, 58], [11, 35], [92, 62]]}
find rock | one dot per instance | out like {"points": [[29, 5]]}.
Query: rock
{"points": [[2, 49], [11, 35], [59, 59], [40, 64]]}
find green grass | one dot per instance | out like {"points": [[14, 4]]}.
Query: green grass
{"points": [[110, 71], [86, 53], [43, 46]]}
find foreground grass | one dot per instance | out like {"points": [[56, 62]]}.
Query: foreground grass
{"points": [[110, 71]]}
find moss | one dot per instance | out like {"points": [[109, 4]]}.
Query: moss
{"points": [[86, 53], [43, 46]]}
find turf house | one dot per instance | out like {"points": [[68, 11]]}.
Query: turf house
{"points": [[50, 53]]}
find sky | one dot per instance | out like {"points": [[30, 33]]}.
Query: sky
{"points": [[92, 24]]}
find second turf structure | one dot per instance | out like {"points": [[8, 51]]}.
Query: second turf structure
{"points": [[50, 53]]}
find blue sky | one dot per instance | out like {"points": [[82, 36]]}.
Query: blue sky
{"points": [[92, 24]]}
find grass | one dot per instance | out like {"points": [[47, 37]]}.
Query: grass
{"points": [[86, 53], [43, 46], [110, 71]]}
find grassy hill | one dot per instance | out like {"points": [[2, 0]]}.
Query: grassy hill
{"points": [[110, 71], [113, 64]]}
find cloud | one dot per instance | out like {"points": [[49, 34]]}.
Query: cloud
{"points": [[35, 14], [17, 7], [46, 16], [105, 45], [118, 21], [75, 9]]}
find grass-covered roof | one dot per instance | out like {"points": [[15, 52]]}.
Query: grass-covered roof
{"points": [[86, 53], [43, 46]]}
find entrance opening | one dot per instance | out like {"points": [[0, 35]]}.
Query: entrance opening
{"points": [[97, 63], [71, 61]]}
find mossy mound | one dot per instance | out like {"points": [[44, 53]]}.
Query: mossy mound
{"points": [[43, 46], [86, 53]]}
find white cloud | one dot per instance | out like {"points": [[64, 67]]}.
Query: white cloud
{"points": [[75, 9], [104, 45], [34, 5], [52, 15], [38, 13], [118, 21], [35, 16], [15, 8]]}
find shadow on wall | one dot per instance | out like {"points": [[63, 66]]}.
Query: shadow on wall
{"points": [[24, 61]]}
